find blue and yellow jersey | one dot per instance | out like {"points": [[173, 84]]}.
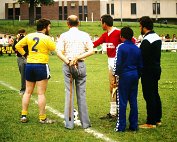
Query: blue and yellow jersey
{"points": [[39, 46]]}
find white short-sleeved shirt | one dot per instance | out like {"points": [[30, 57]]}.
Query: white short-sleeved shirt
{"points": [[74, 42]]}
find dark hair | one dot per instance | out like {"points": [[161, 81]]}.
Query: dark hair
{"points": [[146, 22], [73, 21], [42, 24], [127, 33], [21, 36], [107, 19], [21, 31]]}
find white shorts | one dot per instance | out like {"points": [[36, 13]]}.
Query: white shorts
{"points": [[111, 63]]}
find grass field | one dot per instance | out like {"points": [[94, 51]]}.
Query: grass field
{"points": [[93, 28], [11, 130]]}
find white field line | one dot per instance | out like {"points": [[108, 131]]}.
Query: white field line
{"points": [[56, 112]]}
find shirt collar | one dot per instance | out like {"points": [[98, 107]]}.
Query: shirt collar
{"points": [[114, 28], [128, 41], [148, 33], [73, 29]]}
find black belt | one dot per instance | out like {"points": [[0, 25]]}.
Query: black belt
{"points": [[79, 60]]}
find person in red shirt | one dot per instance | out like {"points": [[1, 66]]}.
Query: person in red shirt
{"points": [[111, 39]]}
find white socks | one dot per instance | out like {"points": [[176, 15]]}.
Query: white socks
{"points": [[113, 108]]}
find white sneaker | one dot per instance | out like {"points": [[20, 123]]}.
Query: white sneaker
{"points": [[47, 121], [24, 119]]}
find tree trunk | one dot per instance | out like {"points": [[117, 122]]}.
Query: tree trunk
{"points": [[31, 13]]}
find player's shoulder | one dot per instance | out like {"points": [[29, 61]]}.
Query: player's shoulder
{"points": [[37, 34], [152, 37], [104, 34], [31, 35], [116, 30], [83, 33], [121, 45], [64, 34]]}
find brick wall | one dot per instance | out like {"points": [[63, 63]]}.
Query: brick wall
{"points": [[93, 6], [50, 12], [73, 10], [24, 11]]}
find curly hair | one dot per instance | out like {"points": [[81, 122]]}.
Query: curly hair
{"points": [[146, 22], [42, 24]]}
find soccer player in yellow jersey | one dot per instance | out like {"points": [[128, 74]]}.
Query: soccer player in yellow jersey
{"points": [[37, 69]]}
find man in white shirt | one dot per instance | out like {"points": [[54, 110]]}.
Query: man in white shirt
{"points": [[72, 48]]}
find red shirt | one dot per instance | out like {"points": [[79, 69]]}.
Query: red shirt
{"points": [[112, 40]]}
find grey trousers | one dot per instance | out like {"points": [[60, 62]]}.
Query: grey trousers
{"points": [[80, 86], [21, 66]]}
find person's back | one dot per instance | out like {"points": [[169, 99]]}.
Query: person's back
{"points": [[151, 51], [75, 42], [151, 72], [37, 69], [72, 48], [39, 46], [128, 64], [131, 56]]}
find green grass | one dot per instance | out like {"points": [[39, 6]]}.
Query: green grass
{"points": [[11, 130], [93, 28]]}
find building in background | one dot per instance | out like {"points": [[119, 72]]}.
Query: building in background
{"points": [[91, 10]]}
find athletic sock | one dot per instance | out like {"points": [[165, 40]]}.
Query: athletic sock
{"points": [[113, 108], [24, 113], [42, 116]]}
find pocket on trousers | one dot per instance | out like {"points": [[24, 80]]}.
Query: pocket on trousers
{"points": [[82, 69]]}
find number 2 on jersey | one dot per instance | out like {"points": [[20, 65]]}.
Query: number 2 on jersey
{"points": [[36, 39]]}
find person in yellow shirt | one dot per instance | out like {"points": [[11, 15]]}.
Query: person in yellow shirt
{"points": [[37, 69]]}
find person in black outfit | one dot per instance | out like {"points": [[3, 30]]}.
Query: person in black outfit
{"points": [[151, 54], [21, 60]]}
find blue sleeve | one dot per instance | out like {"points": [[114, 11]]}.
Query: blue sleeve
{"points": [[117, 63]]}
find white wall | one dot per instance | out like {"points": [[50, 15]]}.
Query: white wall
{"points": [[103, 8], [2, 9], [144, 8]]}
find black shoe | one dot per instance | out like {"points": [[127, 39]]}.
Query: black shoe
{"points": [[133, 130], [109, 116]]}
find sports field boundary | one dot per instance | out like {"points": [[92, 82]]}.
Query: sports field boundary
{"points": [[95, 133]]}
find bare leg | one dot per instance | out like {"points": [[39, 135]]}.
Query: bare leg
{"points": [[113, 109], [26, 97], [41, 89]]}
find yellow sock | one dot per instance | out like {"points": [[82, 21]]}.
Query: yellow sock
{"points": [[42, 116], [24, 112]]}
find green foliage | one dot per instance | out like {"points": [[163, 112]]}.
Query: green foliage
{"points": [[45, 2]]}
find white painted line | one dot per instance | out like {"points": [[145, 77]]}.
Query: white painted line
{"points": [[99, 135], [88, 130], [8, 86]]}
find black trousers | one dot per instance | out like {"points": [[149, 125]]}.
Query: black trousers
{"points": [[150, 93]]}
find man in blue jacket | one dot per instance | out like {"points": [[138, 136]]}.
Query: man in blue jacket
{"points": [[128, 64]]}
